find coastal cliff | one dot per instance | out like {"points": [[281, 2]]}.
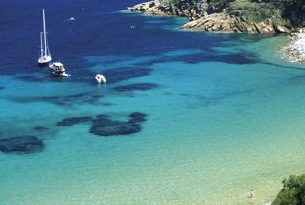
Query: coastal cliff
{"points": [[239, 16]]}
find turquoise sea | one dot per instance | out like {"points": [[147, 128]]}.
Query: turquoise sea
{"points": [[184, 118]]}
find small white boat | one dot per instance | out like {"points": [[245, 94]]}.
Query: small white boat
{"points": [[45, 55], [58, 69], [100, 78]]}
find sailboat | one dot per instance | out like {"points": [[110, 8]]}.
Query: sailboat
{"points": [[45, 55]]}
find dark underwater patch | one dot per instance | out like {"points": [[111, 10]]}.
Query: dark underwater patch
{"points": [[102, 119], [57, 100], [98, 96], [73, 121], [137, 117], [2, 87], [230, 59], [215, 99], [121, 74], [30, 78], [40, 128], [235, 59], [21, 145], [76, 96], [107, 104], [240, 59], [50, 98], [103, 125], [64, 98], [72, 99], [115, 128], [137, 86]]}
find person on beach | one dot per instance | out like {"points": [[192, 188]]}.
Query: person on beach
{"points": [[252, 194]]}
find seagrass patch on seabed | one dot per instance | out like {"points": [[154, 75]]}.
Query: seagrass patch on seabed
{"points": [[105, 125], [21, 145]]}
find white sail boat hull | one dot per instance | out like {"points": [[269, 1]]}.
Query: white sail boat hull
{"points": [[45, 59]]}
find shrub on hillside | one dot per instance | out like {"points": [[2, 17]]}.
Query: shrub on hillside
{"points": [[293, 191]]}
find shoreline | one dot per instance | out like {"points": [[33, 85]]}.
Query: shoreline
{"points": [[202, 18], [296, 48], [219, 23]]}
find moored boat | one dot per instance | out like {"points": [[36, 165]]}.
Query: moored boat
{"points": [[45, 55], [58, 69], [100, 78]]}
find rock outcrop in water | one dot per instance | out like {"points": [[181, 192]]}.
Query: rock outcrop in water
{"points": [[218, 16], [105, 125], [21, 145]]}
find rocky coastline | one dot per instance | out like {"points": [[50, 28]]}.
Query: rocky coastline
{"points": [[216, 21], [296, 48], [223, 22]]}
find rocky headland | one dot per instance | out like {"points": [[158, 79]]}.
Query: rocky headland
{"points": [[235, 16], [222, 22], [218, 17]]}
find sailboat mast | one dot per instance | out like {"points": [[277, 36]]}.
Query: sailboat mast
{"points": [[44, 34], [41, 46], [45, 55]]}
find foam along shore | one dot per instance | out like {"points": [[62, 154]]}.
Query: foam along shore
{"points": [[296, 48]]}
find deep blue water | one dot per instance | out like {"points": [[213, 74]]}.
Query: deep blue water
{"points": [[98, 30]]}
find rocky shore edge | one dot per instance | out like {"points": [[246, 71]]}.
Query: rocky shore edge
{"points": [[220, 21], [296, 48]]}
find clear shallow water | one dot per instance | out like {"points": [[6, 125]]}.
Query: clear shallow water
{"points": [[224, 113]]}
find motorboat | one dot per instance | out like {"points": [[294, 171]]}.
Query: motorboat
{"points": [[58, 69], [100, 78]]}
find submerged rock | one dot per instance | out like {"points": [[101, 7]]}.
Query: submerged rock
{"points": [[122, 74], [137, 86], [115, 128], [30, 78], [40, 128], [104, 126], [73, 121], [102, 119], [21, 145], [137, 117]]}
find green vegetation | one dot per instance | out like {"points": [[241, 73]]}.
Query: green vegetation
{"points": [[293, 192], [257, 12], [178, 1], [283, 12]]}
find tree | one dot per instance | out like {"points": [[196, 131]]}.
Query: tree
{"points": [[293, 191]]}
